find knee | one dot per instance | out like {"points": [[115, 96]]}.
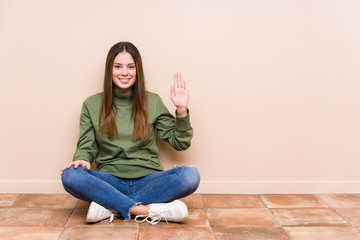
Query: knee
{"points": [[192, 176], [70, 176]]}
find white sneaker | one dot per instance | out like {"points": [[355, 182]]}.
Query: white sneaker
{"points": [[175, 211], [98, 213]]}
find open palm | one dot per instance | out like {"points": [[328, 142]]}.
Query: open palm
{"points": [[179, 92]]}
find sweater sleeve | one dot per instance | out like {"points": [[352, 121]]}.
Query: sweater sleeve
{"points": [[176, 131], [86, 147]]}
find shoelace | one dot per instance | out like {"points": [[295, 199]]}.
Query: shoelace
{"points": [[153, 219], [111, 219]]}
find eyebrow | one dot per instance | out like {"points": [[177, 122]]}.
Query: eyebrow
{"points": [[121, 64]]}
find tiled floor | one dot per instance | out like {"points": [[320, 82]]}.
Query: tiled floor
{"points": [[255, 217]]}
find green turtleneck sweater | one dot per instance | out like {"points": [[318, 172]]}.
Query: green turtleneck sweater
{"points": [[122, 156]]}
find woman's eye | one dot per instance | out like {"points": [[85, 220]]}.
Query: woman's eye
{"points": [[131, 67], [117, 66]]}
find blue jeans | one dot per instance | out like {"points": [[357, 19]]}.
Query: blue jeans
{"points": [[122, 194]]}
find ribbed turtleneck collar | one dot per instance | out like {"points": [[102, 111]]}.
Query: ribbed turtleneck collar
{"points": [[122, 99]]}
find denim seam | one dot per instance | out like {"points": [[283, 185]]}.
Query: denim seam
{"points": [[151, 179], [144, 181], [180, 171], [84, 170], [114, 180]]}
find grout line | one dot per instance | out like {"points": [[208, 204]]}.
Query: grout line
{"points": [[334, 210], [341, 216], [71, 214], [61, 233], [322, 201], [8, 207], [22, 195], [77, 204], [262, 200], [2, 214], [278, 221], [207, 218]]}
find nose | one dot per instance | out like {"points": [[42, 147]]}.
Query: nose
{"points": [[124, 72]]}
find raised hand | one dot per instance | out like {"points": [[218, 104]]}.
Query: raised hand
{"points": [[180, 95]]}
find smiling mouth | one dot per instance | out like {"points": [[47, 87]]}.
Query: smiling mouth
{"points": [[124, 80]]}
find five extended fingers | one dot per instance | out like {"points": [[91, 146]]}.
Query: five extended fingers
{"points": [[179, 81]]}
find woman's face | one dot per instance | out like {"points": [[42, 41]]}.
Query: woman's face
{"points": [[124, 72]]}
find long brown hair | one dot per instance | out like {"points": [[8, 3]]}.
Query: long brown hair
{"points": [[107, 123]]}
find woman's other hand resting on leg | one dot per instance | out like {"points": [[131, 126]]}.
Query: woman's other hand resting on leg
{"points": [[76, 163]]}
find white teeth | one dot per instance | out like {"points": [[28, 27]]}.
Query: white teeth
{"points": [[124, 80]]}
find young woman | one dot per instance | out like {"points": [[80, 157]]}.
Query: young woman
{"points": [[117, 129]]}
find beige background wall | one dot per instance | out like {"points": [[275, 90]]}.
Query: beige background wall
{"points": [[274, 87]]}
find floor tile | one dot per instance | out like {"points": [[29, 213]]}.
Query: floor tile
{"points": [[226, 233], [352, 215], [341, 200], [8, 199], [323, 233], [197, 218], [193, 201], [238, 217], [2, 210], [46, 201], [175, 233], [292, 201], [30, 233], [83, 204], [308, 217], [35, 217], [231, 216], [99, 233], [78, 219], [232, 201]]}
